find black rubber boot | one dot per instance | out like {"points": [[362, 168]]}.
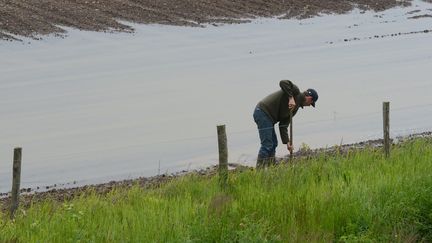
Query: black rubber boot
{"points": [[272, 160], [261, 163]]}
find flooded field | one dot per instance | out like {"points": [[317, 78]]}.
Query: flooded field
{"points": [[95, 106]]}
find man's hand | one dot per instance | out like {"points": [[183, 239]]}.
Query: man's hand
{"points": [[290, 148], [291, 103]]}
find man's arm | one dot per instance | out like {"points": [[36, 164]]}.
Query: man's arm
{"points": [[283, 130], [289, 88]]}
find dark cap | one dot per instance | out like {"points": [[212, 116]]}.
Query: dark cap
{"points": [[313, 94]]}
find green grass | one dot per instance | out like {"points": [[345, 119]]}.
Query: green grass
{"points": [[360, 197]]}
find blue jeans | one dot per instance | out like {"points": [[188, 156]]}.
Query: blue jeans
{"points": [[267, 134]]}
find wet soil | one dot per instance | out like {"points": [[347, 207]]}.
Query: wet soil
{"points": [[421, 16], [29, 196], [33, 19]]}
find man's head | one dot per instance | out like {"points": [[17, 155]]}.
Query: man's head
{"points": [[311, 96]]}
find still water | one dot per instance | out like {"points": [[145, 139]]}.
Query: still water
{"points": [[94, 106]]}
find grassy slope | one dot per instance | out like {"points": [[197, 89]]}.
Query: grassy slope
{"points": [[356, 198]]}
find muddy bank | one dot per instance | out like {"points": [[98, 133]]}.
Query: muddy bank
{"points": [[30, 196], [56, 193], [34, 19], [345, 148]]}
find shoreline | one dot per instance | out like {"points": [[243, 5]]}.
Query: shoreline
{"points": [[35, 19], [29, 195]]}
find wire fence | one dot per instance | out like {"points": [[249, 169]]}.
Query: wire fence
{"points": [[185, 153]]}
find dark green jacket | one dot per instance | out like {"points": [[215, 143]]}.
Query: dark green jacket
{"points": [[275, 106]]}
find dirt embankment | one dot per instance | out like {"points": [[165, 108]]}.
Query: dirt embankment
{"points": [[23, 18], [64, 194]]}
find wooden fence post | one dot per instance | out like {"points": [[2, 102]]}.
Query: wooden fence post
{"points": [[386, 127], [223, 156], [16, 179]]}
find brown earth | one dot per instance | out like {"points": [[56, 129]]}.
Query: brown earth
{"points": [[24, 18], [421, 16]]}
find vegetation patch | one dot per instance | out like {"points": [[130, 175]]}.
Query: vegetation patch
{"points": [[357, 196]]}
